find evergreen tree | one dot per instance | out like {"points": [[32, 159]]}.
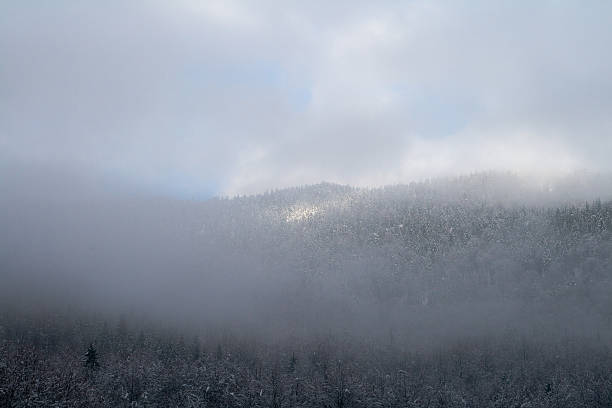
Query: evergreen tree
{"points": [[122, 330], [292, 363], [91, 357], [141, 340], [195, 349], [219, 353]]}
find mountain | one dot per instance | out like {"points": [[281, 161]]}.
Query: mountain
{"points": [[331, 255]]}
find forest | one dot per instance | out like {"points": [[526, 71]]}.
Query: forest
{"points": [[481, 290], [305, 204]]}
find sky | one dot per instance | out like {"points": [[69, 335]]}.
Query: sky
{"points": [[196, 98]]}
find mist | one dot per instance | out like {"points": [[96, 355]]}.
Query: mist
{"points": [[325, 279], [320, 258], [272, 204]]}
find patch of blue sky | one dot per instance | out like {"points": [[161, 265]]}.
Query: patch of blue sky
{"points": [[254, 74], [300, 98], [167, 183], [260, 75], [436, 113], [185, 186]]}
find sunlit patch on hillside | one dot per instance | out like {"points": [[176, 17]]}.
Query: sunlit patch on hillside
{"points": [[305, 211], [302, 212]]}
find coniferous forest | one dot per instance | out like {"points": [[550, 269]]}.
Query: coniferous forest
{"points": [[305, 204], [483, 290]]}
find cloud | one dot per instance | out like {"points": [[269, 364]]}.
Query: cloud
{"points": [[244, 97]]}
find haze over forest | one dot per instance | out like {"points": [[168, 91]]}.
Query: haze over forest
{"points": [[272, 204], [487, 237]]}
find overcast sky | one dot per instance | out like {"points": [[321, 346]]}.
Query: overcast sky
{"points": [[193, 98]]}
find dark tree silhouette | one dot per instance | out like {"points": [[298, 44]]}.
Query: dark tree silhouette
{"points": [[91, 357]]}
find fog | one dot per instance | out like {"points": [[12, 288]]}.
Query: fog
{"points": [[445, 257], [490, 274], [282, 204]]}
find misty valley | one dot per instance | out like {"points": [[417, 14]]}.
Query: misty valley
{"points": [[487, 290], [305, 204]]}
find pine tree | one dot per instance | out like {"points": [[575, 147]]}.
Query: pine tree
{"points": [[91, 358], [122, 330], [292, 363], [141, 340], [219, 353], [195, 349]]}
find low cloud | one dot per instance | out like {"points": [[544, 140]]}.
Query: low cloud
{"points": [[232, 97]]}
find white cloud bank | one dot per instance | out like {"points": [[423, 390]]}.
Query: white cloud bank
{"points": [[238, 97]]}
